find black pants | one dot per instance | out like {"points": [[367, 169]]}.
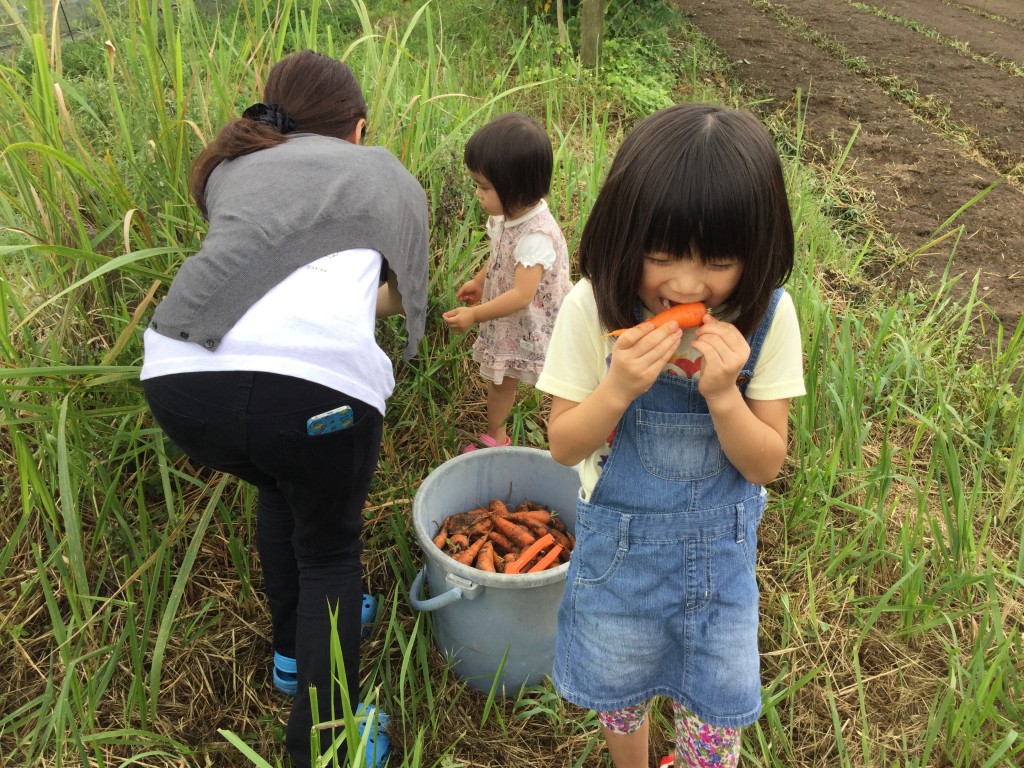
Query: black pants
{"points": [[309, 513]]}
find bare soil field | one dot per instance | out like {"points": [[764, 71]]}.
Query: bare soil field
{"points": [[936, 89]]}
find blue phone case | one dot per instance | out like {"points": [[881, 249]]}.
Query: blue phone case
{"points": [[330, 421]]}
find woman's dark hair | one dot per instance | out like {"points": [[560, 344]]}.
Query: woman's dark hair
{"points": [[319, 94], [514, 153], [693, 181]]}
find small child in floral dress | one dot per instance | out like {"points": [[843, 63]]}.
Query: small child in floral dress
{"points": [[516, 295]]}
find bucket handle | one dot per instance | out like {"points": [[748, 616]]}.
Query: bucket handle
{"points": [[433, 603]]}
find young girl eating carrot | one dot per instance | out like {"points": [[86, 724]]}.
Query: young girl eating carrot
{"points": [[675, 431], [516, 294]]}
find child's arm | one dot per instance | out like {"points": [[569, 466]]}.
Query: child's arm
{"points": [[389, 300], [527, 280], [576, 430], [753, 433]]}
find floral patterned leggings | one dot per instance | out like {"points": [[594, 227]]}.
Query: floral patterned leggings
{"points": [[698, 745]]}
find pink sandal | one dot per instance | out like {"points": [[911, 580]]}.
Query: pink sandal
{"points": [[487, 442]]}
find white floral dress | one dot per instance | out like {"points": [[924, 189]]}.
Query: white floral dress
{"points": [[515, 345]]}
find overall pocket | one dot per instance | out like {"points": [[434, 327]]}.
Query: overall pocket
{"points": [[678, 446]]}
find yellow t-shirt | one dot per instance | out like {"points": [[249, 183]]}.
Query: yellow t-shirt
{"points": [[578, 358]]}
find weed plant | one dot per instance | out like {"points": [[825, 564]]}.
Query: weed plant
{"points": [[132, 630]]}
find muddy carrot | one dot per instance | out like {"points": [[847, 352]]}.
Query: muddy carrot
{"points": [[535, 516], [466, 519], [469, 555], [529, 553], [458, 541], [539, 531], [442, 534], [545, 562], [501, 540], [517, 533], [687, 315], [481, 526], [497, 507], [485, 558], [562, 538], [531, 506]]}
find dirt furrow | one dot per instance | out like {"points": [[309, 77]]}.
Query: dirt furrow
{"points": [[984, 35], [986, 106], [916, 176], [1011, 10]]}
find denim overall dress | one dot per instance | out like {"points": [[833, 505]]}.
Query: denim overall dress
{"points": [[660, 596]]}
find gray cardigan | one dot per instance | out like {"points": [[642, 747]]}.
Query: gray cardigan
{"points": [[278, 209]]}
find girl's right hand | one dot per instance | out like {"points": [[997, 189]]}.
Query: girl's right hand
{"points": [[640, 354], [471, 292]]}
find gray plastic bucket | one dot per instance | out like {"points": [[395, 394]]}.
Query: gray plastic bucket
{"points": [[477, 616]]}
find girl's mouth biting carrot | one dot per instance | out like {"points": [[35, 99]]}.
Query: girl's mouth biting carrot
{"points": [[688, 315]]}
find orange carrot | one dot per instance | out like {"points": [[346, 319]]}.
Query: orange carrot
{"points": [[497, 507], [535, 516], [687, 315], [485, 559], [519, 535], [501, 540], [442, 534], [481, 526], [469, 555], [458, 541], [547, 559], [529, 553]]}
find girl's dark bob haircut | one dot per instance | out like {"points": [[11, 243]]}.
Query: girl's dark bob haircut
{"points": [[693, 181], [513, 152]]}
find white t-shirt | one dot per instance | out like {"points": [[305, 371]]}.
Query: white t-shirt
{"points": [[317, 324], [578, 358]]}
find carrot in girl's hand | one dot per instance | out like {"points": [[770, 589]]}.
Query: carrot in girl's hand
{"points": [[687, 315], [529, 553]]}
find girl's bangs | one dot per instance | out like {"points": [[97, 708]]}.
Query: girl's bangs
{"points": [[708, 220]]}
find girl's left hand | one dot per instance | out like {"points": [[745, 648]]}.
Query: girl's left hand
{"points": [[723, 352], [460, 319]]}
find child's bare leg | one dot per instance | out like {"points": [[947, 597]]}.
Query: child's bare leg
{"points": [[626, 734], [500, 399]]}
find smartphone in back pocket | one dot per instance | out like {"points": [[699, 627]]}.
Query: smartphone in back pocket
{"points": [[330, 421]]}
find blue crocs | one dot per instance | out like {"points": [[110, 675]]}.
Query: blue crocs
{"points": [[369, 614], [378, 745], [285, 679], [284, 674]]}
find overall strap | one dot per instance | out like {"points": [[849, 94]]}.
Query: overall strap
{"points": [[756, 340]]}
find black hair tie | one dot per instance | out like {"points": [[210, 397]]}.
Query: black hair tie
{"points": [[271, 114]]}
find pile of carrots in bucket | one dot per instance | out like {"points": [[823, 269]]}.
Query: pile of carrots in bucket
{"points": [[529, 539]]}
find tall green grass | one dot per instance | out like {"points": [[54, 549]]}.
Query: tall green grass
{"points": [[131, 625]]}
